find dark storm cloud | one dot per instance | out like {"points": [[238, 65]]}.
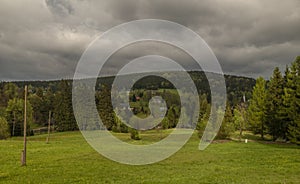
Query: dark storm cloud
{"points": [[45, 39]]}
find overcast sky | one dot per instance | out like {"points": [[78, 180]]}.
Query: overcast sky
{"points": [[44, 39]]}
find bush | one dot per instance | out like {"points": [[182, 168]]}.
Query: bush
{"points": [[134, 134], [4, 130], [122, 128]]}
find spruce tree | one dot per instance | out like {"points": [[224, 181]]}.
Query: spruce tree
{"points": [[274, 103], [63, 112], [105, 108], [286, 103], [293, 98], [257, 108], [227, 127]]}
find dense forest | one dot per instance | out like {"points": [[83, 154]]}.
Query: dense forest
{"points": [[263, 107], [55, 97]]}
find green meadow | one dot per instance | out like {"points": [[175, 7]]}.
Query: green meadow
{"points": [[68, 158]]}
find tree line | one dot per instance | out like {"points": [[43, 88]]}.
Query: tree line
{"points": [[56, 97], [273, 109], [40, 103], [275, 105]]}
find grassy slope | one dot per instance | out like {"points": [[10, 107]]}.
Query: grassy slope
{"points": [[69, 159]]}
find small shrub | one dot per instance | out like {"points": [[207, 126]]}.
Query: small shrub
{"points": [[134, 134]]}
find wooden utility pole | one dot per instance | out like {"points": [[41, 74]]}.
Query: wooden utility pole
{"points": [[23, 159], [49, 127]]}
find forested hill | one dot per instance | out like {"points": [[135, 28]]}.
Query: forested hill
{"points": [[55, 98], [237, 86]]}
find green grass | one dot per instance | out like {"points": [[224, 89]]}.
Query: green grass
{"points": [[69, 159]]}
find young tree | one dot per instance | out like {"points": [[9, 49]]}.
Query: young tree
{"points": [[227, 127], [240, 119], [257, 108]]}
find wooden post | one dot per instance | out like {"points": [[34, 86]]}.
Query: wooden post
{"points": [[49, 127], [23, 160]]}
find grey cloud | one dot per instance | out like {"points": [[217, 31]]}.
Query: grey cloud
{"points": [[44, 39], [60, 7]]}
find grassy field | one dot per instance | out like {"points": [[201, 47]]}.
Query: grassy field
{"points": [[69, 159]]}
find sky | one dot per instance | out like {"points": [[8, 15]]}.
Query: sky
{"points": [[44, 39]]}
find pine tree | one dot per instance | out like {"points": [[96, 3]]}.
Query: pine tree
{"points": [[274, 103], [257, 108]]}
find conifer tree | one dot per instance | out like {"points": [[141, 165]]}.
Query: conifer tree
{"points": [[227, 127], [104, 106], [257, 108], [63, 112], [292, 97], [286, 103], [274, 103]]}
